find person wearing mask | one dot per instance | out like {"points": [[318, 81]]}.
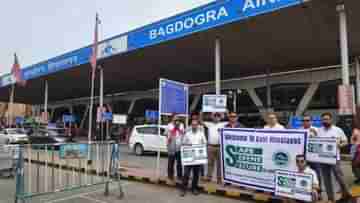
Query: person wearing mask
{"points": [[328, 130], [272, 122], [214, 146], [175, 132], [193, 136], [355, 146], [305, 169], [312, 132]]}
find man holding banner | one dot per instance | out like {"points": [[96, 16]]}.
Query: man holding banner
{"points": [[194, 137], [331, 131]]}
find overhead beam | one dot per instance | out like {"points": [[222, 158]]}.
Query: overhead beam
{"points": [[306, 99]]}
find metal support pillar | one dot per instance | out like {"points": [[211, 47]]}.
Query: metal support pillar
{"points": [[218, 66], [268, 90], [257, 101], [343, 44], [10, 106], [357, 67], [131, 107], [46, 93], [84, 117], [195, 102], [306, 99]]}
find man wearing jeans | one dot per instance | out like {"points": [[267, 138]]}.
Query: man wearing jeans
{"points": [[328, 130]]}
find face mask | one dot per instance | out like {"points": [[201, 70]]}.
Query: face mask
{"points": [[326, 124]]}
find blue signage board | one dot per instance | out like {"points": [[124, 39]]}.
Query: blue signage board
{"points": [[107, 116], [151, 114], [203, 18], [174, 97], [19, 120], [68, 118], [297, 122]]}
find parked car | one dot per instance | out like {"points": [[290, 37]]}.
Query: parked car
{"points": [[54, 136], [145, 138], [13, 136]]}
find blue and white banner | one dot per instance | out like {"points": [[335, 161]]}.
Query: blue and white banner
{"points": [[68, 119], [250, 157], [174, 97], [322, 150], [296, 122], [203, 18]]}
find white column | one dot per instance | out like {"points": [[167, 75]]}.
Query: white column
{"points": [[101, 87], [357, 67], [343, 44], [306, 99], [218, 66]]}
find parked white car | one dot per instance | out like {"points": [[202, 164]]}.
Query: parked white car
{"points": [[145, 138], [13, 135]]}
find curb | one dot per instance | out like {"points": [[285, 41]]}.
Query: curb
{"points": [[240, 193]]}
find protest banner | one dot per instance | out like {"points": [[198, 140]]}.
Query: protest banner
{"points": [[250, 157], [294, 185], [321, 150], [194, 155]]}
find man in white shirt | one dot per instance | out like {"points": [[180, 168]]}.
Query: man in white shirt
{"points": [[214, 146], [272, 122], [193, 136], [329, 130], [312, 132]]}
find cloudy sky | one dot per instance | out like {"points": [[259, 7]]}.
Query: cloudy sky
{"points": [[40, 29]]}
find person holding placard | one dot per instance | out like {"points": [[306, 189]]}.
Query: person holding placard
{"points": [[328, 130], [193, 136], [305, 169], [313, 132]]}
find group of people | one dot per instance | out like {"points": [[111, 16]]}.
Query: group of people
{"points": [[207, 133], [198, 133]]}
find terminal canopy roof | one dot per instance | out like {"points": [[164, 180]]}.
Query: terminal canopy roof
{"points": [[303, 35]]}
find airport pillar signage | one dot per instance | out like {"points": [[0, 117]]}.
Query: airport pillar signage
{"points": [[346, 99]]}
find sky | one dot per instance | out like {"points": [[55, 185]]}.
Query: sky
{"points": [[41, 29]]}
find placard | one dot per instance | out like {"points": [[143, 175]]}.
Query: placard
{"points": [[73, 151], [194, 155], [119, 119], [250, 157], [294, 185], [214, 103], [322, 150]]}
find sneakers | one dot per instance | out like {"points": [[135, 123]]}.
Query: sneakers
{"points": [[195, 192], [182, 193]]}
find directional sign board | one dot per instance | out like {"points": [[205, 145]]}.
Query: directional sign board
{"points": [[174, 97], [214, 103], [151, 114], [68, 118], [296, 122]]}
